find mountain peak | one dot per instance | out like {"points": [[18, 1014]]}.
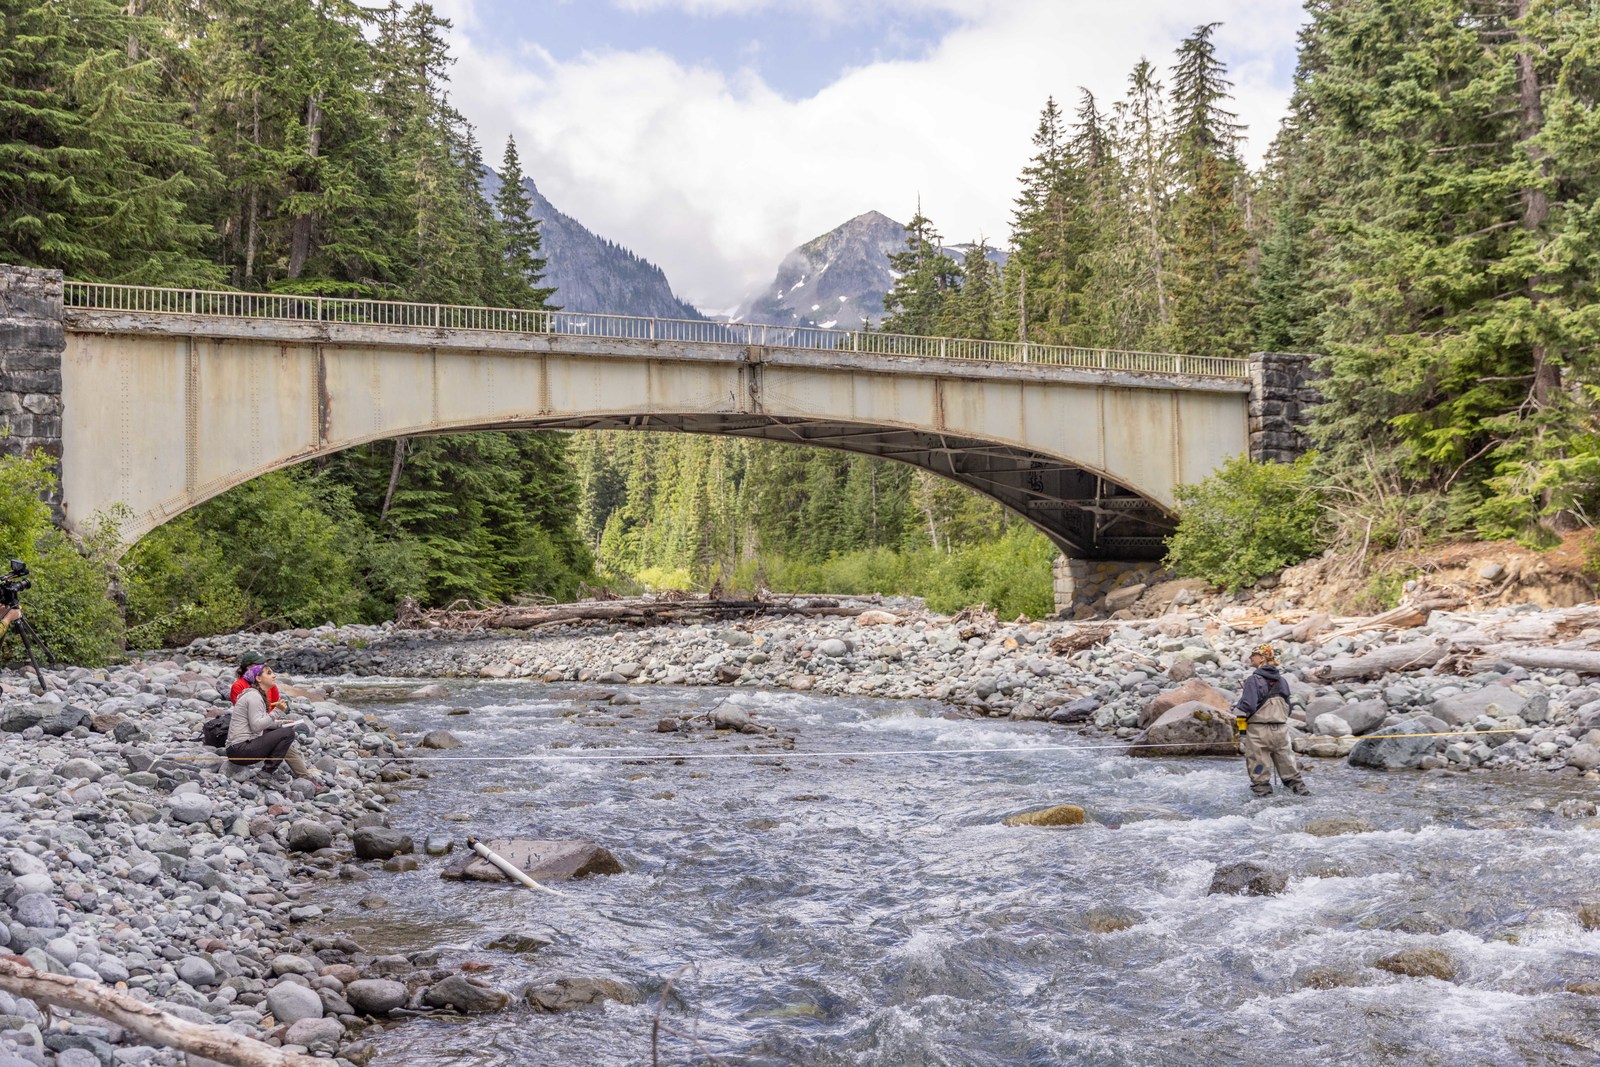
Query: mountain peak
{"points": [[836, 280]]}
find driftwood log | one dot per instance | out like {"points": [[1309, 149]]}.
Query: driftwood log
{"points": [[1410, 656], [644, 610], [1581, 660], [156, 1027]]}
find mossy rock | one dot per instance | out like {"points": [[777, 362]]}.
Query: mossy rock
{"points": [[1420, 963], [1589, 915], [1329, 978], [1338, 826], [1111, 920], [1584, 989], [1060, 815]]}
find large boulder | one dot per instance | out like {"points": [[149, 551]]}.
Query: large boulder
{"points": [[1420, 963], [190, 807], [570, 994], [544, 861], [375, 996], [470, 996], [1363, 716], [1193, 690], [1496, 701], [1060, 815], [1192, 729], [1584, 756], [289, 1003], [317, 1035], [380, 843], [308, 835], [1396, 748], [1247, 879]]}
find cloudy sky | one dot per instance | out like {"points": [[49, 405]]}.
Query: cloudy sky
{"points": [[712, 136]]}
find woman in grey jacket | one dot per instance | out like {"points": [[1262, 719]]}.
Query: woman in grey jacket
{"points": [[254, 735]]}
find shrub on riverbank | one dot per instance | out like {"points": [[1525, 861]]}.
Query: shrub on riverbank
{"points": [[1246, 521], [1011, 574], [70, 602]]}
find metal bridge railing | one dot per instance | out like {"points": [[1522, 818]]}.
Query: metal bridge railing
{"points": [[100, 296]]}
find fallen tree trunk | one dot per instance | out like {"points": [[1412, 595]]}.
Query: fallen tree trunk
{"points": [[150, 1023], [1381, 661], [1581, 660], [632, 610]]}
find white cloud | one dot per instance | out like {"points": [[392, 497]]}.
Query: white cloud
{"points": [[715, 177]]}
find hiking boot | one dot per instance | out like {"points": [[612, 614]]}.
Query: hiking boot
{"points": [[1299, 788], [1261, 790]]}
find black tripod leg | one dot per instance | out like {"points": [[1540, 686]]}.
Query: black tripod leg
{"points": [[27, 643]]}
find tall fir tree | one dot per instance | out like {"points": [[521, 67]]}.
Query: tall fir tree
{"points": [[524, 265]]}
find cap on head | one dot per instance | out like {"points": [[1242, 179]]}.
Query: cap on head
{"points": [[1266, 652], [250, 659]]}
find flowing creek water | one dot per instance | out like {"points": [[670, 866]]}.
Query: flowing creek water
{"points": [[817, 908]]}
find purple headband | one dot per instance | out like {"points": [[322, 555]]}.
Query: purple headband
{"points": [[252, 673]]}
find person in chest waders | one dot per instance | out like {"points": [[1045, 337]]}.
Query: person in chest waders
{"points": [[1263, 712]]}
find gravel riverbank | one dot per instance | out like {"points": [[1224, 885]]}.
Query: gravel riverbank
{"points": [[1112, 679], [131, 858]]}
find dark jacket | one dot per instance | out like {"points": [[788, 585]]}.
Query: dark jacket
{"points": [[1262, 683]]}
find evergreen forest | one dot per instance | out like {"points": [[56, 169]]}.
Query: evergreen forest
{"points": [[1426, 221]]}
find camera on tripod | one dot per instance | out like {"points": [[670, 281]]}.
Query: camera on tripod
{"points": [[13, 583]]}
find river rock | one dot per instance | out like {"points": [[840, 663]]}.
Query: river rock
{"points": [[1589, 915], [190, 807], [317, 1035], [1180, 670], [308, 835], [1189, 692], [877, 617], [429, 692], [16, 718], [1247, 879], [1060, 815], [1420, 963], [544, 861], [1330, 725], [375, 996], [470, 996], [1496, 701], [1338, 825], [81, 768], [1192, 729], [1075, 711], [570, 994], [62, 719], [1394, 747], [289, 1002], [1584, 756], [35, 910], [1362, 716], [380, 843], [440, 739], [834, 648], [196, 971]]}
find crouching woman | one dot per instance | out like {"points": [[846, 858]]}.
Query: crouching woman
{"points": [[254, 735]]}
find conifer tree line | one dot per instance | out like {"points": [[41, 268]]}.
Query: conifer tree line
{"points": [[1427, 221], [290, 146]]}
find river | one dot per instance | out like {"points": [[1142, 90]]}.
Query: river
{"points": [[810, 907]]}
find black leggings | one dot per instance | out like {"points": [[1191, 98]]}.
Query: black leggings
{"points": [[271, 745]]}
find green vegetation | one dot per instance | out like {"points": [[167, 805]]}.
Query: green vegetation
{"points": [[1246, 521], [70, 602]]}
